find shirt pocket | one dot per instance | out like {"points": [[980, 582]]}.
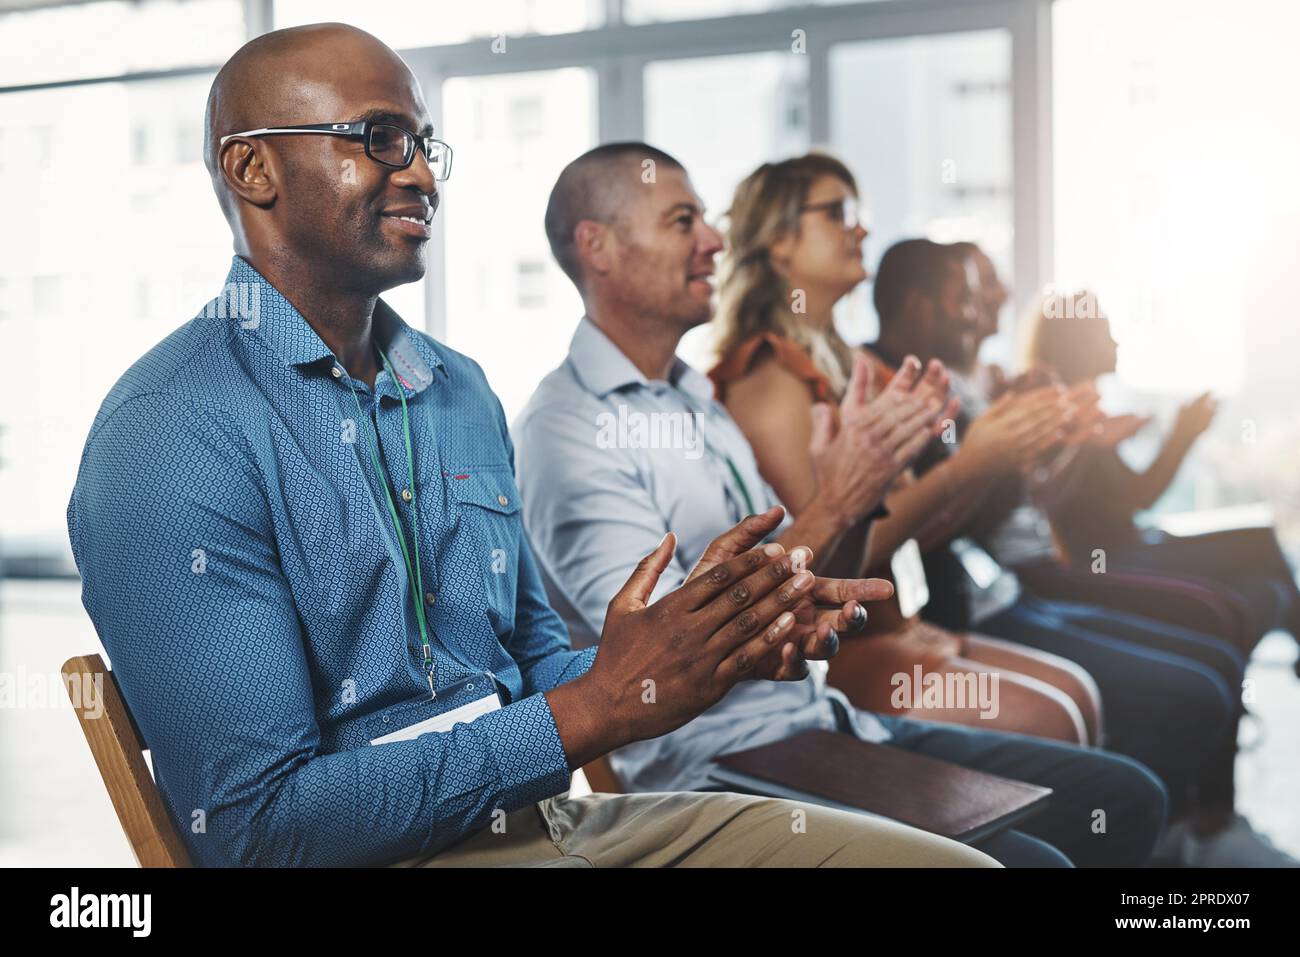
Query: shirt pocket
{"points": [[473, 442], [487, 536]]}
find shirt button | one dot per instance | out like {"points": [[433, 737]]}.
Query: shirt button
{"points": [[406, 495], [336, 372], [501, 499], [429, 598]]}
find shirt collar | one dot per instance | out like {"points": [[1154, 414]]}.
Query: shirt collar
{"points": [[258, 306], [601, 367]]}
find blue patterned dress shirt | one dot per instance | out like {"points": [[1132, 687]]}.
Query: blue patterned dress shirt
{"points": [[239, 563]]}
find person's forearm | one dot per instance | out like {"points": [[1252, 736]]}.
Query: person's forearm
{"points": [[849, 555], [821, 528], [933, 509], [1154, 482], [588, 722], [952, 520], [372, 804]]}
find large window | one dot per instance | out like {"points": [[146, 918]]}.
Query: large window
{"points": [[112, 241], [657, 11], [111, 37], [722, 117], [404, 24], [508, 305], [1177, 201], [118, 239], [925, 125]]}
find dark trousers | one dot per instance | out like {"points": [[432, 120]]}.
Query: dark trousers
{"points": [[1105, 811], [1247, 560], [1184, 600], [1170, 697]]}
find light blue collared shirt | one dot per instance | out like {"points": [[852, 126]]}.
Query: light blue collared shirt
{"points": [[608, 462]]}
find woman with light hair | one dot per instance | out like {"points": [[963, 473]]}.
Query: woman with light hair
{"points": [[782, 366]]}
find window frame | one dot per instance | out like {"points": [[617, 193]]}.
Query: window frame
{"points": [[618, 52]]}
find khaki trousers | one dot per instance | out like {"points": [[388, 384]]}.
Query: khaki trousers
{"points": [[695, 829]]}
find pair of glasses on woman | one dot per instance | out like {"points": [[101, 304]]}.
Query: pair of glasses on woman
{"points": [[845, 212], [385, 143]]}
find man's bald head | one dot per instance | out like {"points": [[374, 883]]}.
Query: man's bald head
{"points": [[318, 204], [595, 186], [269, 80], [273, 79]]}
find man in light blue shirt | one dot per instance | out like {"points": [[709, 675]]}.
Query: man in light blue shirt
{"points": [[623, 440], [601, 472]]}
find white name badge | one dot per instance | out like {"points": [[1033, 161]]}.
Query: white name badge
{"points": [[444, 722], [910, 586], [979, 564]]}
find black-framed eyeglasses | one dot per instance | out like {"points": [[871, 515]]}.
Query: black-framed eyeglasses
{"points": [[842, 212], [385, 143]]}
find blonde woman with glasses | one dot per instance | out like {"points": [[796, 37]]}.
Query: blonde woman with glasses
{"points": [[794, 249]]}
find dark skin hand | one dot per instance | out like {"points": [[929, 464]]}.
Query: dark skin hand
{"points": [[1078, 418], [1012, 432], [834, 606], [770, 637], [663, 664]]}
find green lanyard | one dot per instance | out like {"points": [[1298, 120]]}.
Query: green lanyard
{"points": [[744, 492], [735, 472], [414, 575]]}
